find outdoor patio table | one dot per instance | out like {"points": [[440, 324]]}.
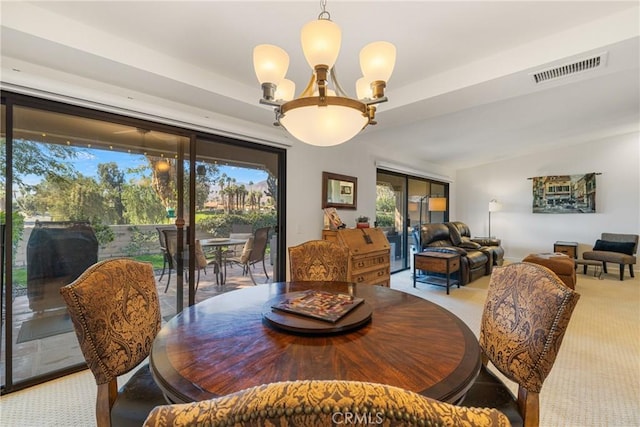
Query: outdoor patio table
{"points": [[218, 244]]}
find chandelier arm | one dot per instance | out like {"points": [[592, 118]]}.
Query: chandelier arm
{"points": [[271, 103], [374, 101], [308, 91], [336, 83]]}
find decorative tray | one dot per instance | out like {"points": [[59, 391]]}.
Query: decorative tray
{"points": [[314, 311]]}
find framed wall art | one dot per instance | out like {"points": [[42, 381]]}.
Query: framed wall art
{"points": [[565, 193], [339, 191]]}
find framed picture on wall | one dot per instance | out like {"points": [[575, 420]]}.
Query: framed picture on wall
{"points": [[339, 191]]}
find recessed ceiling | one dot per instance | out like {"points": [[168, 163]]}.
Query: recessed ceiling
{"points": [[461, 93]]}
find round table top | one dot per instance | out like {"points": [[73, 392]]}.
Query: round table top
{"points": [[222, 345]]}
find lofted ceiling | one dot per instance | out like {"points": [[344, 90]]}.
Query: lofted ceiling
{"points": [[462, 92]]}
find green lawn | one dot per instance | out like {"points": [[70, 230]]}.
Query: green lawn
{"points": [[20, 274]]}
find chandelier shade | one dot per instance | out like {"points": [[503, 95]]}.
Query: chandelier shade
{"points": [[377, 61], [322, 116], [286, 90], [270, 63], [324, 126], [321, 41]]}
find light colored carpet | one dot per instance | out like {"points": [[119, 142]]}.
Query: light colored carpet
{"points": [[595, 381]]}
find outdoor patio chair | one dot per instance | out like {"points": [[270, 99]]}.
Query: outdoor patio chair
{"points": [[253, 252], [167, 261]]}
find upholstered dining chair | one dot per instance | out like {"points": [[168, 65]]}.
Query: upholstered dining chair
{"points": [[319, 260], [525, 317], [323, 403], [116, 315]]}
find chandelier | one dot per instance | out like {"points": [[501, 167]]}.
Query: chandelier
{"points": [[323, 114]]}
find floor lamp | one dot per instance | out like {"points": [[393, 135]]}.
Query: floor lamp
{"points": [[494, 206]]}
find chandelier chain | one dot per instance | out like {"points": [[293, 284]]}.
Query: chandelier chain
{"points": [[324, 14]]}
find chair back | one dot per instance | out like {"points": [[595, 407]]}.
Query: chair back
{"points": [[260, 240], [323, 403], [201, 259], [319, 260], [525, 316], [116, 315]]}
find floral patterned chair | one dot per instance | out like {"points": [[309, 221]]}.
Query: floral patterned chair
{"points": [[320, 404], [525, 316], [319, 260], [116, 315]]}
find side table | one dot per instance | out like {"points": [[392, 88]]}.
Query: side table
{"points": [[437, 262], [568, 248]]}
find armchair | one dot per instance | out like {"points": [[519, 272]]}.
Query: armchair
{"points": [[618, 248], [486, 244]]}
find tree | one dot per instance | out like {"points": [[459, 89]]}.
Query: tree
{"points": [[112, 180], [272, 188], [35, 158], [143, 206]]}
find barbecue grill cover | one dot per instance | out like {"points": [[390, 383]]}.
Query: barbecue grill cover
{"points": [[57, 253]]}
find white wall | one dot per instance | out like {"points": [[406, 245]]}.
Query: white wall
{"points": [[522, 232], [305, 164]]}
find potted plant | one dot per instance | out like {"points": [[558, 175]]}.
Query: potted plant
{"points": [[362, 222]]}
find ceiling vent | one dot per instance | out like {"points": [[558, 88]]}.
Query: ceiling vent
{"points": [[591, 63]]}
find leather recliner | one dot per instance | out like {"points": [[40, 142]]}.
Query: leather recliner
{"points": [[474, 263], [461, 236]]}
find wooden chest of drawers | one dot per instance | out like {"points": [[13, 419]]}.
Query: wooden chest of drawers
{"points": [[369, 260]]}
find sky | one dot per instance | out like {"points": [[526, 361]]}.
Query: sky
{"points": [[87, 164]]}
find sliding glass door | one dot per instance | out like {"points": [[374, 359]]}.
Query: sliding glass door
{"points": [[80, 186], [403, 204]]}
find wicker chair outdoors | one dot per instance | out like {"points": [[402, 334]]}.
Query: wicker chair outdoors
{"points": [[525, 316], [322, 403], [116, 315], [319, 260]]}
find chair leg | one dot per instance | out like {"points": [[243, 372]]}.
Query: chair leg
{"points": [[621, 271], [251, 275], [164, 266], [604, 267], [168, 282], [264, 267], [631, 270]]}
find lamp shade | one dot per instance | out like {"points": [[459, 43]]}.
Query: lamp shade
{"points": [[323, 126], [377, 60], [494, 206], [363, 89], [286, 90], [321, 41], [437, 204], [270, 63]]}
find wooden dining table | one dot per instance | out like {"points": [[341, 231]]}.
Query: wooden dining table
{"points": [[224, 344]]}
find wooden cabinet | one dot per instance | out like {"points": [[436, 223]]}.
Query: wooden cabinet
{"points": [[368, 254], [568, 248]]}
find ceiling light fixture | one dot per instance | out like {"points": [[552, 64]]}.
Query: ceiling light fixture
{"points": [[323, 114]]}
